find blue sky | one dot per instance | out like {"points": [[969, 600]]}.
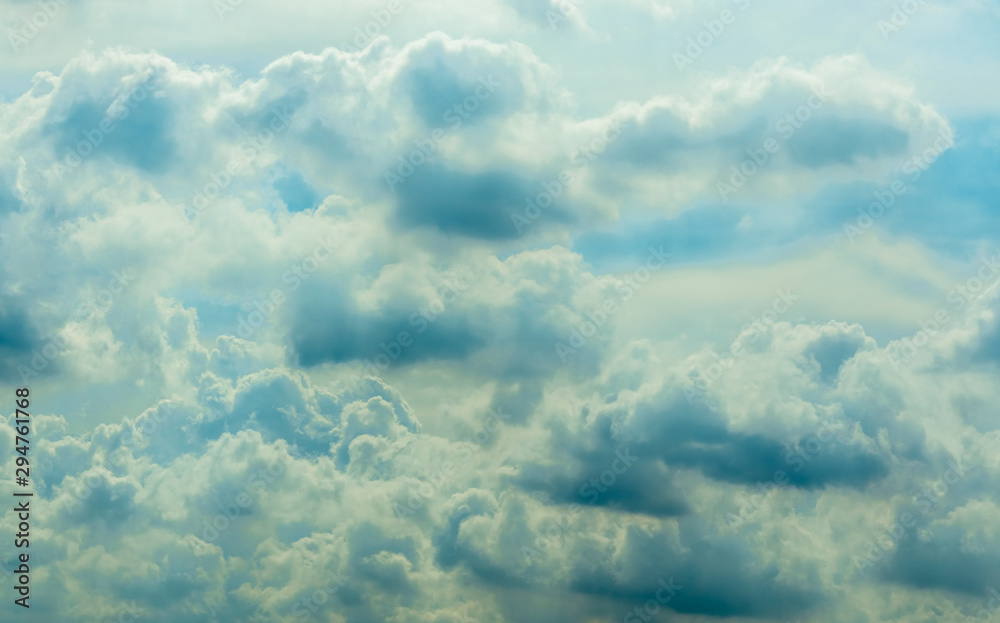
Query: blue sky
{"points": [[505, 311]]}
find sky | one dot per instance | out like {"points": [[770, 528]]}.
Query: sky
{"points": [[502, 311]]}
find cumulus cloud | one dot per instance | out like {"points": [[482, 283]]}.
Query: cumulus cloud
{"points": [[444, 328]]}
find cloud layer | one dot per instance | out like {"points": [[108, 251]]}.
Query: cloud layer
{"points": [[436, 328]]}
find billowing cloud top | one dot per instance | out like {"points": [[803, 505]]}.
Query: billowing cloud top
{"points": [[504, 311]]}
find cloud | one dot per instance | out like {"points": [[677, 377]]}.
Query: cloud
{"points": [[300, 321]]}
